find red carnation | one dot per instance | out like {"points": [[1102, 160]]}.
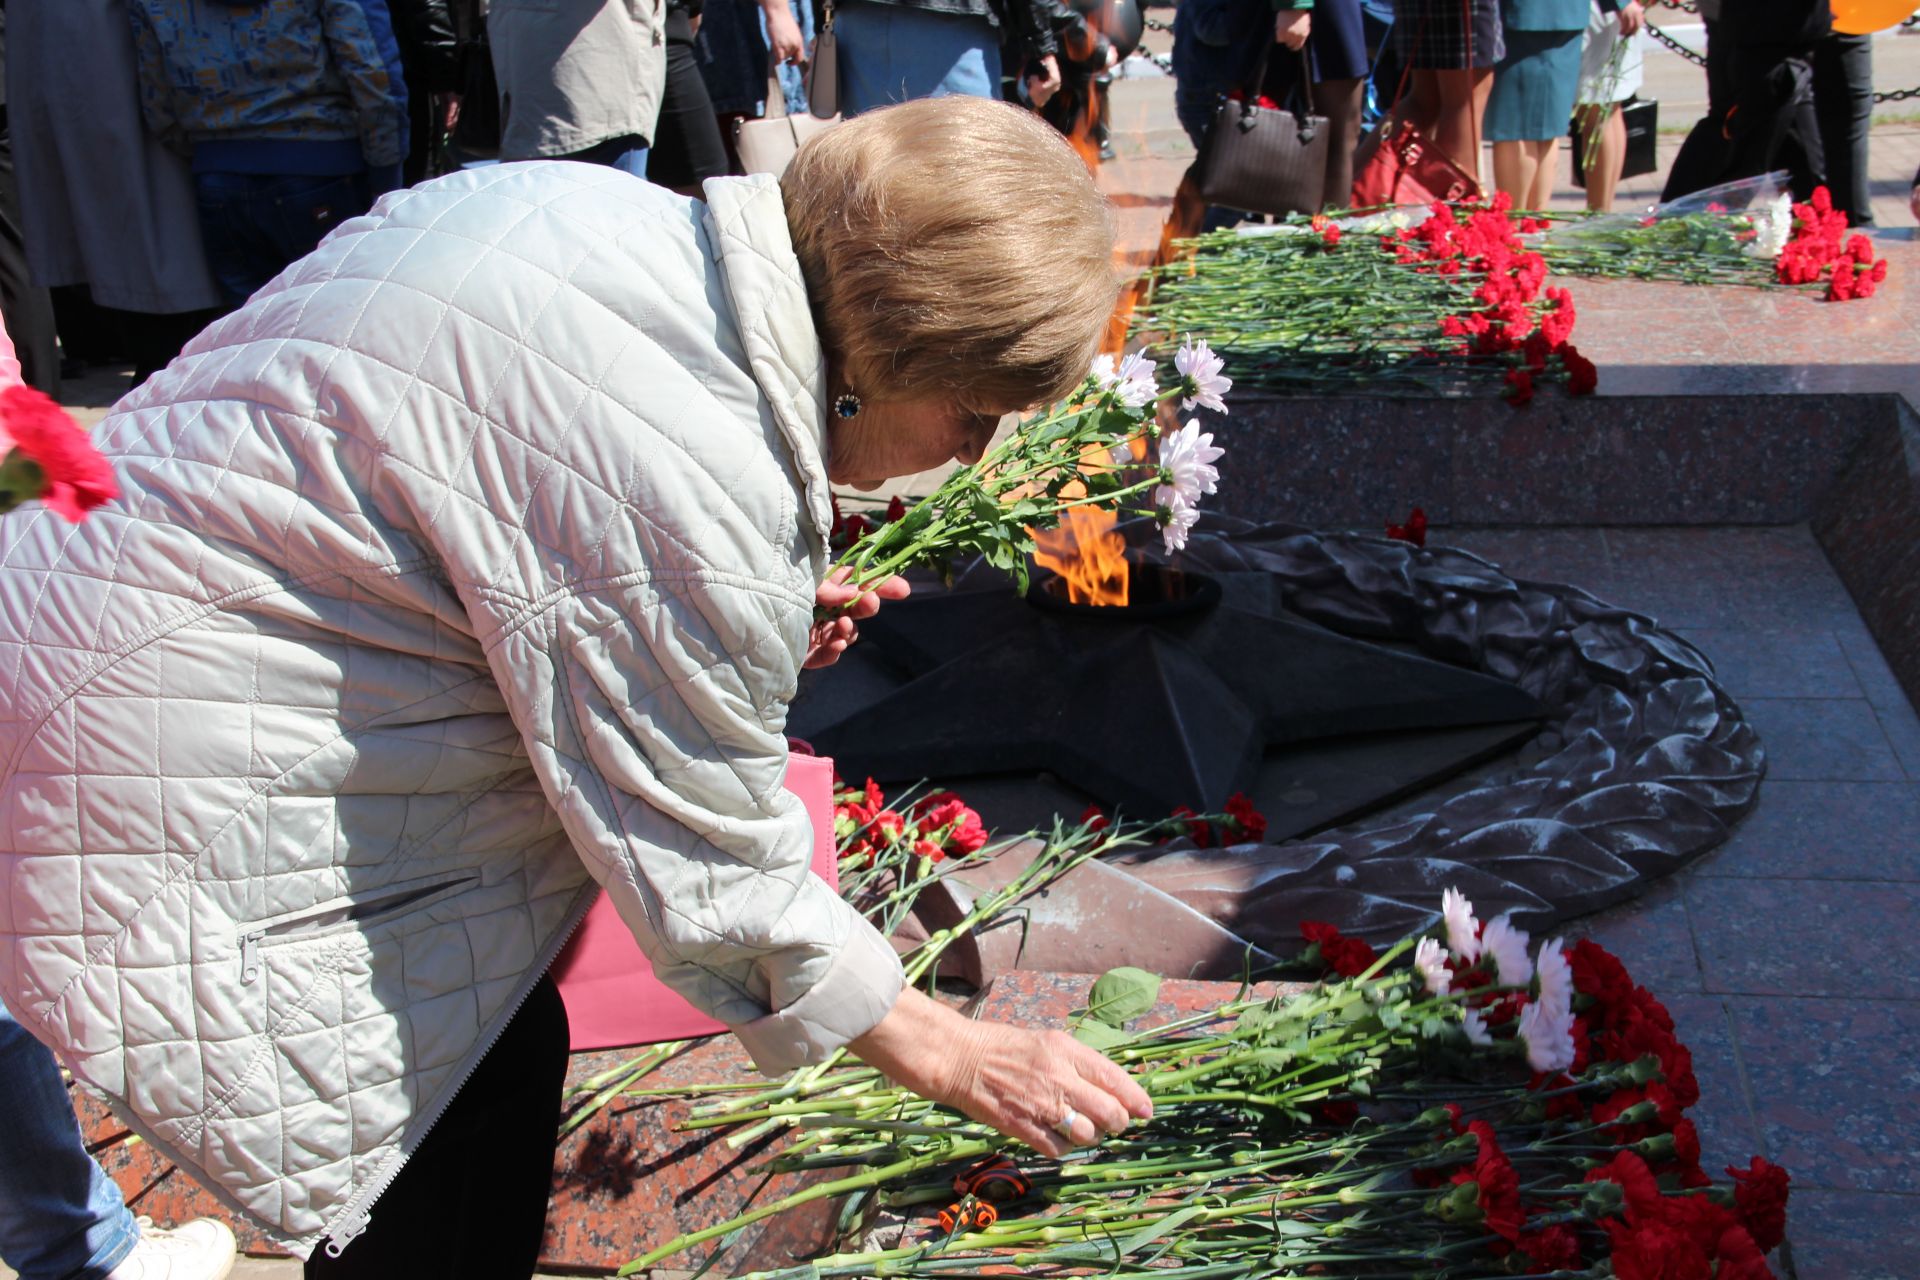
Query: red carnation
{"points": [[1198, 829], [1630, 1172], [1348, 957], [1553, 1248], [1094, 818], [1248, 823], [945, 816], [1519, 387], [896, 509], [1656, 1251], [1760, 1198], [929, 850], [1583, 376], [1498, 1184], [77, 477], [1414, 530]]}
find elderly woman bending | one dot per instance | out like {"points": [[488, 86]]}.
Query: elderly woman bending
{"points": [[469, 568]]}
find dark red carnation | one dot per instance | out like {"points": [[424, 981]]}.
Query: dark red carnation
{"points": [[1760, 1198], [1554, 1248], [1199, 830], [1094, 818], [896, 509], [1499, 1185], [1348, 957], [1644, 1202], [1247, 822]]}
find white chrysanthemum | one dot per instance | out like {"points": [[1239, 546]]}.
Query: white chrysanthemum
{"points": [[1430, 959], [1508, 947], [1463, 931], [1200, 376], [1177, 517], [1775, 228], [1476, 1027], [1187, 456], [1556, 978], [1131, 381], [1549, 1038]]}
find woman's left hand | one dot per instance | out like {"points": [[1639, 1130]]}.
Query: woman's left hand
{"points": [[830, 636], [1632, 18]]}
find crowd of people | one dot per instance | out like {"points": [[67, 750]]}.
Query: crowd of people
{"points": [[221, 143], [1785, 90]]}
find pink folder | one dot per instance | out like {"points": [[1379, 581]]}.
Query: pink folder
{"points": [[612, 997]]}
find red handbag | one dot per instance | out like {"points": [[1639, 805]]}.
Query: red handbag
{"points": [[1397, 164]]}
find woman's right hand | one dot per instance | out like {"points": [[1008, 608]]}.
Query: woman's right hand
{"points": [[1020, 1081], [1291, 28], [1632, 18]]}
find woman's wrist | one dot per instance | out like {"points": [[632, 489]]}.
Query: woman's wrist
{"points": [[920, 1043]]}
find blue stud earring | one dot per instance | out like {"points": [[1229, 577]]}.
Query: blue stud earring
{"points": [[847, 406]]}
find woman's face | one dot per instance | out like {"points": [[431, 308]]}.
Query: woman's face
{"points": [[902, 437]]}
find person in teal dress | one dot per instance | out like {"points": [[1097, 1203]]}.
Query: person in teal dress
{"points": [[1533, 90]]}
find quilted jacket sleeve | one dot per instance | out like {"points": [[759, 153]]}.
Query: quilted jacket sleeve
{"points": [[638, 701]]}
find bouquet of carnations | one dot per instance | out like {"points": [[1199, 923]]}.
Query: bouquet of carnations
{"points": [[1443, 300], [1084, 452], [1749, 233], [1461, 1105]]}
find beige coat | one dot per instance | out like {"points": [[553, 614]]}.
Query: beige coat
{"points": [[469, 564], [574, 73]]}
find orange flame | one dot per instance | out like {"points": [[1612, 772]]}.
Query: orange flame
{"points": [[1089, 556]]}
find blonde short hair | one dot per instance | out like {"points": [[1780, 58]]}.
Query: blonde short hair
{"points": [[953, 246]]}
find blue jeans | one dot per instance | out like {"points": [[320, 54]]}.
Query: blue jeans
{"points": [[890, 53], [61, 1218], [255, 224]]}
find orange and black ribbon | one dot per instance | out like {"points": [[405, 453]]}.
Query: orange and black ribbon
{"points": [[995, 1178]]}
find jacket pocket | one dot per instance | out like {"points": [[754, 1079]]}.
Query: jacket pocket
{"points": [[356, 911]]}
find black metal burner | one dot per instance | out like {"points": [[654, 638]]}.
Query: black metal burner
{"points": [[1206, 686], [1153, 592]]}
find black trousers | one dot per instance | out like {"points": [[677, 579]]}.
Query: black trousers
{"points": [[472, 1201], [27, 308], [687, 146], [1843, 104]]}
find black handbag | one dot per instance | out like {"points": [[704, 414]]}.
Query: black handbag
{"points": [[1642, 118], [1270, 160]]}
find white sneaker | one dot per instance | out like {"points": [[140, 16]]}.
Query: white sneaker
{"points": [[201, 1250]]}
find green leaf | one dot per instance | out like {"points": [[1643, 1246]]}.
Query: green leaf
{"points": [[1098, 1035], [1122, 994]]}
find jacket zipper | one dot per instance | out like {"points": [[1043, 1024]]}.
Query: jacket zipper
{"points": [[357, 1214], [341, 914]]}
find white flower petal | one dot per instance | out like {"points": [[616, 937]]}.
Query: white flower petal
{"points": [[1199, 370], [1463, 931], [1549, 1039], [1556, 978], [1430, 959], [1186, 457], [1476, 1027], [1508, 947]]}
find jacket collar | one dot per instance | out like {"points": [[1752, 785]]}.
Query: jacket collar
{"points": [[748, 222]]}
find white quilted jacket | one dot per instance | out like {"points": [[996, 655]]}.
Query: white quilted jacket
{"points": [[470, 563]]}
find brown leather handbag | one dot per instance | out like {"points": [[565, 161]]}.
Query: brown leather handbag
{"points": [[1270, 160], [1396, 163]]}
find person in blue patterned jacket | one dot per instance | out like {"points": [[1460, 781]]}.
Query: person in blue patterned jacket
{"points": [[294, 113]]}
